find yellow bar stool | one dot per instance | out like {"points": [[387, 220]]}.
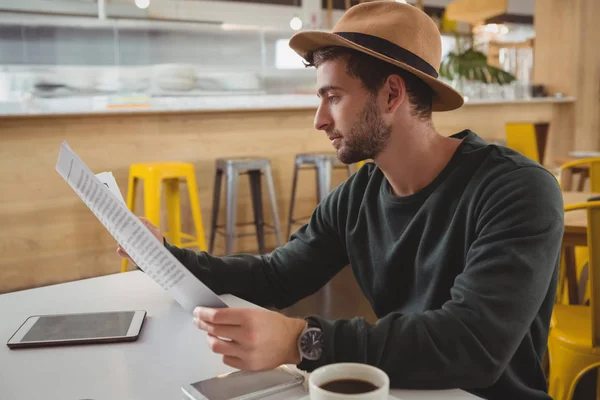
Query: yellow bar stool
{"points": [[528, 139], [169, 173], [574, 340]]}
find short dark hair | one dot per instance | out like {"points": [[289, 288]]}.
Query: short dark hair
{"points": [[373, 72]]}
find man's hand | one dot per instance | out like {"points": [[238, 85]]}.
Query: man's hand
{"points": [[155, 231], [259, 339]]}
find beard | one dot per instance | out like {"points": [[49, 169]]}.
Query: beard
{"points": [[367, 138]]}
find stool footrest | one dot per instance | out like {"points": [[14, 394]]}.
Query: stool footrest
{"points": [[220, 229], [183, 236]]}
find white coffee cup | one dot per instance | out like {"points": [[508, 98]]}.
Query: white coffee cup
{"points": [[334, 372]]}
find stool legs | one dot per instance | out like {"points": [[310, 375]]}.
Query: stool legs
{"points": [[323, 178], [292, 200], [131, 192], [152, 200], [215, 208], [232, 186], [196, 213], [324, 168], [173, 210], [273, 201], [256, 193]]}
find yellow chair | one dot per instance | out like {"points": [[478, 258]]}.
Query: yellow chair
{"points": [[169, 173], [587, 168], [574, 340], [528, 139], [361, 163], [590, 167]]}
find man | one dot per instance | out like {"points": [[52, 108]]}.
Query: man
{"points": [[454, 242]]}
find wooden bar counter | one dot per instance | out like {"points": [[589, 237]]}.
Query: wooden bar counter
{"points": [[48, 235]]}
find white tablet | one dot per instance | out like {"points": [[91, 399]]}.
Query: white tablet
{"points": [[63, 329]]}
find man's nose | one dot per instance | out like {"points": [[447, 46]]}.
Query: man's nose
{"points": [[323, 119]]}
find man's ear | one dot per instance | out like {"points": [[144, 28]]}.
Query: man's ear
{"points": [[395, 92]]}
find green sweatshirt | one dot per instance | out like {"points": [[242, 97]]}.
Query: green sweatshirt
{"points": [[462, 274]]}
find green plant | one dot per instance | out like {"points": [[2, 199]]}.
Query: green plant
{"points": [[472, 65]]}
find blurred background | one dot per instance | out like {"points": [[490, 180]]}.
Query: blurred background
{"points": [[85, 55], [149, 82]]}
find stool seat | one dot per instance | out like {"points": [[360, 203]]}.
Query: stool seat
{"points": [[314, 158], [162, 170], [242, 164]]}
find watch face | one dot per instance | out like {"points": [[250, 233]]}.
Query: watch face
{"points": [[311, 344]]}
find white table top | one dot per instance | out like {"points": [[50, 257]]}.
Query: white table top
{"points": [[170, 352]]}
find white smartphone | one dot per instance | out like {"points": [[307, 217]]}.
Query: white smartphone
{"points": [[242, 385], [65, 329]]}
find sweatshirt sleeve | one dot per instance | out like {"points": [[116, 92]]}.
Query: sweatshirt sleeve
{"points": [[510, 270], [314, 254]]}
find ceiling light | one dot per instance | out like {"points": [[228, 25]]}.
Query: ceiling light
{"points": [[296, 23], [142, 3]]}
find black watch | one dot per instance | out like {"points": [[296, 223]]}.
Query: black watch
{"points": [[310, 342]]}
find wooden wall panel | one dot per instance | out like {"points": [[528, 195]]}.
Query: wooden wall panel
{"points": [[567, 60], [50, 236]]}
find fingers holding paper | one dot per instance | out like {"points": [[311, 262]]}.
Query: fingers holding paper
{"points": [[251, 339], [123, 254], [155, 231]]}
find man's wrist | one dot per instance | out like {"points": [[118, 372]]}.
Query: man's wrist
{"points": [[298, 326]]}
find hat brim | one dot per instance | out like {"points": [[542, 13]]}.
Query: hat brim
{"points": [[446, 97]]}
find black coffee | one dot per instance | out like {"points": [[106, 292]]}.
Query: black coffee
{"points": [[349, 386]]}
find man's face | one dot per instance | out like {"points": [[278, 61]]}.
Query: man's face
{"points": [[349, 114]]}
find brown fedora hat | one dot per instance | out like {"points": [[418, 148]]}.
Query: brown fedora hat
{"points": [[394, 32]]}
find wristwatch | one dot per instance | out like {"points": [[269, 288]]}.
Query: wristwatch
{"points": [[310, 341]]}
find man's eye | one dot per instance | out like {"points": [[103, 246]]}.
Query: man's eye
{"points": [[333, 99]]}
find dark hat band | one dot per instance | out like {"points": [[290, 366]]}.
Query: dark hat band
{"points": [[391, 50]]}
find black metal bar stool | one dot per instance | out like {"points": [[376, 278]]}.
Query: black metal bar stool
{"points": [[233, 168]]}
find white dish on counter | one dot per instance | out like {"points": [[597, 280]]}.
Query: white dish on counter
{"points": [[174, 71], [176, 84]]}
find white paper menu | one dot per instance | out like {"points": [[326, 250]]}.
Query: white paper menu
{"points": [[109, 181], [141, 245]]}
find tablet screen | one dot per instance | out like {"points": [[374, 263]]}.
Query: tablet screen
{"points": [[80, 326]]}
